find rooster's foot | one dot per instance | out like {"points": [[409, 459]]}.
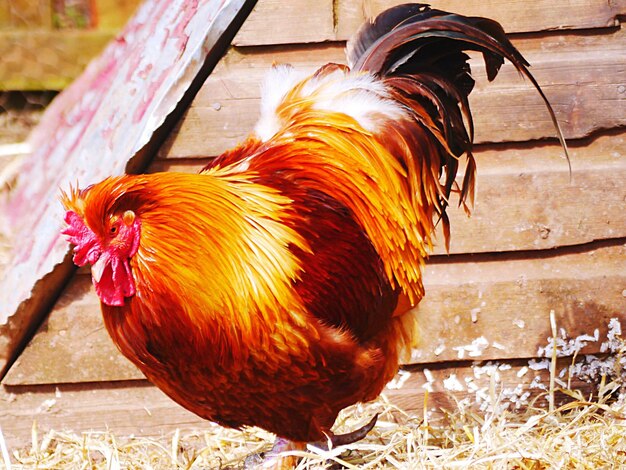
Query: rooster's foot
{"points": [[272, 459], [275, 461]]}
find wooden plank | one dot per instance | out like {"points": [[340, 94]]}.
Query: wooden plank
{"points": [[300, 21], [580, 75], [137, 408], [227, 106], [554, 212], [15, 333], [515, 16], [46, 60], [293, 22], [128, 408], [25, 14], [486, 308], [80, 348], [494, 307]]}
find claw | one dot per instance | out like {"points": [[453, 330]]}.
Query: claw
{"points": [[336, 440]]}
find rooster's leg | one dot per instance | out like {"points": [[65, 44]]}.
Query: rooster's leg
{"points": [[272, 459]]}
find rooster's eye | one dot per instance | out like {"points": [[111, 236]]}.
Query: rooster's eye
{"points": [[114, 229]]}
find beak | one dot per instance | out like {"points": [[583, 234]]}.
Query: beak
{"points": [[98, 268]]}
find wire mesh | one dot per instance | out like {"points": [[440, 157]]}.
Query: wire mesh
{"points": [[20, 111], [44, 46]]}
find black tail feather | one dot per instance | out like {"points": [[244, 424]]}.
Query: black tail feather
{"points": [[426, 46]]}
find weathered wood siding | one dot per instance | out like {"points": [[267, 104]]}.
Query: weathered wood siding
{"points": [[539, 239]]}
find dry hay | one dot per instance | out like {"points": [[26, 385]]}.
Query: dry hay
{"points": [[492, 432], [581, 434], [499, 429]]}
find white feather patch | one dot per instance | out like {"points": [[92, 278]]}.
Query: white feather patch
{"points": [[358, 95], [278, 82], [368, 109]]}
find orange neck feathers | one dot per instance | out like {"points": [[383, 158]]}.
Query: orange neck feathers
{"points": [[218, 237]]}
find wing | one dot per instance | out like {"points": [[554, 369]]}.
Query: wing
{"points": [[343, 281]]}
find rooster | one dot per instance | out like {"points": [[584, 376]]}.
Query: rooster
{"points": [[272, 288]]}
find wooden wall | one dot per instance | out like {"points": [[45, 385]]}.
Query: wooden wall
{"points": [[539, 240]]}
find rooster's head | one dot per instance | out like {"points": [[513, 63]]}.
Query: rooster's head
{"points": [[105, 235]]}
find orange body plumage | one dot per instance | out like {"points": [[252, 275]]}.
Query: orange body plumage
{"points": [[270, 288]]}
